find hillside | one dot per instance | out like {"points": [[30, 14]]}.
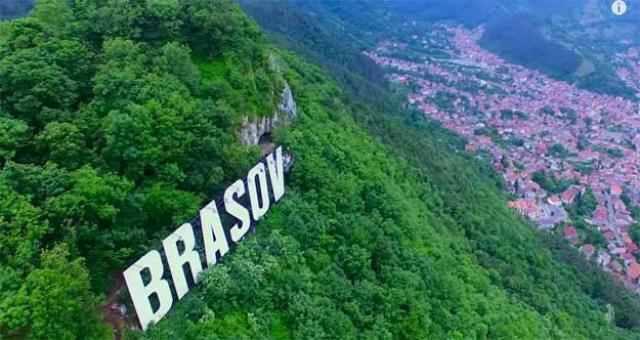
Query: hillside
{"points": [[566, 37], [519, 39], [119, 120]]}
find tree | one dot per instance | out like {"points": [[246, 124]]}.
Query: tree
{"points": [[585, 204], [558, 150], [13, 133], [63, 143], [176, 59], [118, 80], [214, 26], [166, 207], [388, 229], [31, 83], [88, 216], [55, 15], [55, 301], [23, 230], [36, 182], [42, 78], [634, 232]]}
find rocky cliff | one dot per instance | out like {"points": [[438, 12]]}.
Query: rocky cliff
{"points": [[253, 130]]}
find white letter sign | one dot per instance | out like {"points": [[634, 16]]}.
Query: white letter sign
{"points": [[141, 293], [204, 241]]}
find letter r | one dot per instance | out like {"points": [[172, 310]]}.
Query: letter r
{"points": [[177, 260]]}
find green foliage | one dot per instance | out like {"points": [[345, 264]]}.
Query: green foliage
{"points": [[22, 228], [109, 137], [519, 40], [569, 114], [615, 153], [54, 302], [585, 204], [13, 133], [368, 246], [64, 142], [550, 183], [634, 232], [116, 132], [211, 26], [583, 142], [515, 257], [558, 150]]}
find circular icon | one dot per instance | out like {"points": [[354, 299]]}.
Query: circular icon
{"points": [[619, 7]]}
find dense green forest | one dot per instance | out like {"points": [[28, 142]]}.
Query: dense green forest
{"points": [[519, 39], [118, 121], [110, 135]]}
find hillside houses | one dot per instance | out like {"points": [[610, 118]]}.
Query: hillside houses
{"points": [[527, 122]]}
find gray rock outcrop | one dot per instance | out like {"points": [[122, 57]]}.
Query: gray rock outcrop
{"points": [[287, 110]]}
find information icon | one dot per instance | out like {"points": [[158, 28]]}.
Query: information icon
{"points": [[619, 7]]}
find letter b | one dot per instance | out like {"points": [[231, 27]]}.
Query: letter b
{"points": [[140, 293]]}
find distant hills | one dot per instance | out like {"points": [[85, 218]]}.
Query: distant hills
{"points": [[14, 8], [518, 38], [560, 38]]}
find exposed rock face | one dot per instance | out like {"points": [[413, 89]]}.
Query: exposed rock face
{"points": [[251, 131], [287, 104]]}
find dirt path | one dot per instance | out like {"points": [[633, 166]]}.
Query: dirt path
{"points": [[114, 312]]}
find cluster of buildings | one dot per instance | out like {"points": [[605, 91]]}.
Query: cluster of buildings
{"points": [[525, 123], [629, 69]]}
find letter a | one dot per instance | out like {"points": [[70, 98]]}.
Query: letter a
{"points": [[215, 241]]}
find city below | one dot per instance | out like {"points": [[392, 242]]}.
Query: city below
{"points": [[568, 156]]}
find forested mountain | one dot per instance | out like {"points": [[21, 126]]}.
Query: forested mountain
{"points": [[119, 120], [555, 37]]}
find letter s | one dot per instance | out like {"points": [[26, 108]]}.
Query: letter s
{"points": [[237, 210]]}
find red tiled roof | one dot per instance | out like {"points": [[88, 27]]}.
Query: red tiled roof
{"points": [[600, 213], [626, 238], [570, 233], [633, 272], [554, 200], [616, 190], [609, 235], [569, 195], [588, 250]]}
